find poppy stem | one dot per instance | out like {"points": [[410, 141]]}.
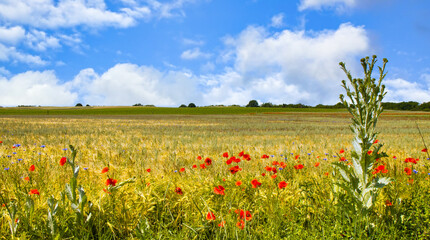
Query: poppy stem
{"points": [[425, 146]]}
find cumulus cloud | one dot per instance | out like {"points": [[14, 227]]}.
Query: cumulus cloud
{"points": [[281, 67], [194, 54], [11, 35], [127, 84], [35, 88], [297, 66], [66, 13], [11, 54], [277, 20], [319, 4], [399, 90], [40, 41]]}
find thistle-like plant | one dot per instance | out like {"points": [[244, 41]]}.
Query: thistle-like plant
{"points": [[356, 184]]}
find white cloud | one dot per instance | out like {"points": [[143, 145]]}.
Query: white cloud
{"points": [[282, 67], [127, 84], [188, 41], [194, 54], [35, 88], [277, 20], [11, 35], [40, 41], [67, 13], [300, 66], [10, 54], [402, 90], [319, 4]]}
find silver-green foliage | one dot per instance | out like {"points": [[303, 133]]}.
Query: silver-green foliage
{"points": [[357, 182]]}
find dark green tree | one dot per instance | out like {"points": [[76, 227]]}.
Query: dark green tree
{"points": [[191, 105], [252, 103]]}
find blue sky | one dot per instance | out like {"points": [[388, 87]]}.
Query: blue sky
{"points": [[167, 53]]}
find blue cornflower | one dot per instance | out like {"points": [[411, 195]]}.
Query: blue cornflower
{"points": [[309, 154], [325, 159], [85, 168], [280, 168], [415, 171], [42, 146], [272, 155], [65, 149], [334, 156], [19, 159], [14, 153], [6, 169]]}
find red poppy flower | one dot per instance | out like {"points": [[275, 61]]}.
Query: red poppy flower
{"points": [[297, 157], [63, 161], [238, 183], [194, 166], [282, 165], [411, 181], [269, 169], [221, 224], [1, 141], [326, 173], [376, 141], [263, 174], [199, 158], [182, 170], [236, 160], [388, 203], [208, 161], [225, 154], [229, 161], [317, 164], [369, 152], [106, 191], [264, 156], [255, 183], [411, 160], [210, 216], [27, 179], [300, 166], [424, 150], [31, 169], [247, 157], [179, 191], [202, 166], [274, 170], [105, 169], [342, 159], [244, 214], [282, 185], [148, 170], [341, 151], [240, 224], [241, 154], [274, 163], [219, 190], [235, 169], [111, 181], [408, 171], [34, 191], [273, 176]]}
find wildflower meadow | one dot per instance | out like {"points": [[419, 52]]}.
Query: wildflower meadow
{"points": [[292, 175]]}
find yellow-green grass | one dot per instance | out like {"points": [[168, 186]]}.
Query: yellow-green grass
{"points": [[150, 207]]}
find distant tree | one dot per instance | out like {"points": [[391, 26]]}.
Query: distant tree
{"points": [[252, 103], [183, 105], [88, 105], [78, 105], [191, 105], [137, 105], [268, 104]]}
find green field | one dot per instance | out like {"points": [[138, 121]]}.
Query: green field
{"points": [[148, 110], [151, 207]]}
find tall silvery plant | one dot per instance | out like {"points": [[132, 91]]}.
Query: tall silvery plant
{"points": [[355, 185]]}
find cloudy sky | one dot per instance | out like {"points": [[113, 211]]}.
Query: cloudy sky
{"points": [[172, 52]]}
